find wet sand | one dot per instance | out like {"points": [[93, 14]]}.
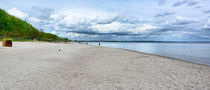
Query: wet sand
{"points": [[41, 66]]}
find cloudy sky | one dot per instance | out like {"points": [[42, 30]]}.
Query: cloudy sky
{"points": [[162, 20]]}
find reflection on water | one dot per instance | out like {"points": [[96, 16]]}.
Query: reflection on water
{"points": [[193, 52]]}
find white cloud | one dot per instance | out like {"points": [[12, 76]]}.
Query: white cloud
{"points": [[145, 27], [92, 17], [123, 27], [101, 22], [53, 32], [180, 18], [78, 25], [55, 16], [14, 11], [34, 20], [109, 28], [206, 27]]}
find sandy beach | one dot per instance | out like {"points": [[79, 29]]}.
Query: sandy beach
{"points": [[41, 66]]}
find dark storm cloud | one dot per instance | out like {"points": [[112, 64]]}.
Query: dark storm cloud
{"points": [[167, 28], [170, 28], [208, 11], [184, 22], [207, 27], [192, 3], [164, 14], [83, 27], [106, 19], [188, 2], [179, 3], [163, 30], [198, 7]]}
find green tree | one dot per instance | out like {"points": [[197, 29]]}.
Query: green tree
{"points": [[13, 27]]}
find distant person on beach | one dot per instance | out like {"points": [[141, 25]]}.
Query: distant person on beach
{"points": [[99, 44]]}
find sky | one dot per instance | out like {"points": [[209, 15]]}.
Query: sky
{"points": [[116, 20]]}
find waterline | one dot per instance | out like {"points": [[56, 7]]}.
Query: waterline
{"points": [[193, 52]]}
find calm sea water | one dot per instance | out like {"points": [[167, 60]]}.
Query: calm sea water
{"points": [[193, 52]]}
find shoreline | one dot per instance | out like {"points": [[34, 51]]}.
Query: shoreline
{"points": [[156, 55], [61, 66], [164, 57]]}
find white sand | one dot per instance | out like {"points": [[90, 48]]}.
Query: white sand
{"points": [[40, 66]]}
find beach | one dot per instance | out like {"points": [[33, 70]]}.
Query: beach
{"points": [[74, 66]]}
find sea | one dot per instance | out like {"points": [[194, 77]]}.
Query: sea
{"points": [[191, 52]]}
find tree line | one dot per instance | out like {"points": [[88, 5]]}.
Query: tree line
{"points": [[17, 29]]}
